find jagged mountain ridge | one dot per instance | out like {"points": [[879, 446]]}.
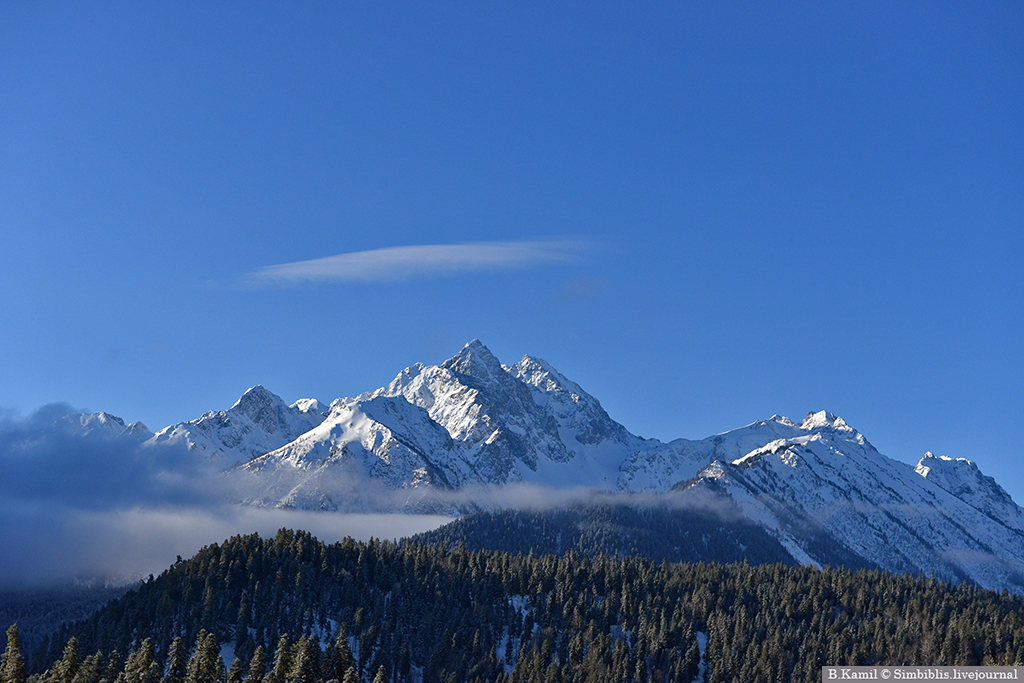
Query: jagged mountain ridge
{"points": [[258, 423], [450, 437], [832, 481], [963, 479], [363, 447], [470, 423], [524, 423], [101, 424]]}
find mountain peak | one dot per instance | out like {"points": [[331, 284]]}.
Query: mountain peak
{"points": [[257, 423], [91, 423], [257, 391], [475, 360], [965, 480], [822, 418], [256, 400], [309, 406], [946, 471], [138, 429]]}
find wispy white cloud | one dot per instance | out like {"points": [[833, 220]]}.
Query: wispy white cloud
{"points": [[394, 264]]}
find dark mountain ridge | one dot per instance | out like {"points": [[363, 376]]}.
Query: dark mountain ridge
{"points": [[654, 530]]}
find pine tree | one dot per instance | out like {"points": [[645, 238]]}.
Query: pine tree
{"points": [[66, 669], [12, 666], [235, 671], [140, 667], [242, 622], [174, 671], [257, 666], [112, 669], [343, 659], [381, 676], [205, 665], [306, 662], [91, 669], [282, 661], [404, 661]]}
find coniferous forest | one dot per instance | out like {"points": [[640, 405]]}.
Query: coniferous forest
{"points": [[294, 610], [655, 532]]}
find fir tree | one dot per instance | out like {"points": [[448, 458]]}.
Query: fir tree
{"points": [[343, 659], [306, 662], [66, 669], [12, 666], [112, 669], [91, 669], [282, 661], [257, 666], [177, 662], [140, 667], [205, 665]]}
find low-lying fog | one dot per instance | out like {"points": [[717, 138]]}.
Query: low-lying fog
{"points": [[96, 508]]}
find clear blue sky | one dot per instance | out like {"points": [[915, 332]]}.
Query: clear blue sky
{"points": [[704, 213]]}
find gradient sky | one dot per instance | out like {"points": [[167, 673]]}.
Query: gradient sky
{"points": [[704, 213]]}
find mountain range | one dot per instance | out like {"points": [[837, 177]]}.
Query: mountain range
{"points": [[472, 434]]}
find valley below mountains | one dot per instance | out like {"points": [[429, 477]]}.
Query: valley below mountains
{"points": [[474, 438]]}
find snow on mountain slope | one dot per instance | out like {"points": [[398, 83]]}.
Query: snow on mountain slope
{"points": [[662, 466], [469, 423], [828, 478], [525, 423], [963, 479], [101, 424], [363, 452], [259, 422]]}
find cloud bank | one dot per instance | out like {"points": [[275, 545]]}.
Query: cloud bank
{"points": [[57, 544], [100, 506], [394, 264], [94, 503]]}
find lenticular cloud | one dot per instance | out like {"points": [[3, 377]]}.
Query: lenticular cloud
{"points": [[411, 262]]}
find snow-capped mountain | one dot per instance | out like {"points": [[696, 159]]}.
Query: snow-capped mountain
{"points": [[364, 451], [449, 437], [963, 479], [821, 485], [469, 424], [524, 423], [259, 422], [661, 466], [101, 424], [472, 425]]}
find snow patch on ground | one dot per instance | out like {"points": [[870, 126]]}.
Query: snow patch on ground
{"points": [[702, 645]]}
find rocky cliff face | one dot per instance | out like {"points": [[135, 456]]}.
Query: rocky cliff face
{"points": [[525, 423]]}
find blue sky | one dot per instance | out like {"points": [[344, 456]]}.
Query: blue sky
{"points": [[704, 214]]}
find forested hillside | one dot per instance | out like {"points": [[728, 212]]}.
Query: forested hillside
{"points": [[713, 532], [294, 610], [40, 611]]}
